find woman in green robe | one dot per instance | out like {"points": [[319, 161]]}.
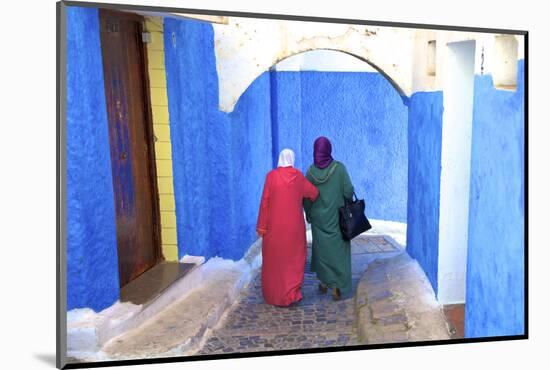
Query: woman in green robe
{"points": [[331, 254]]}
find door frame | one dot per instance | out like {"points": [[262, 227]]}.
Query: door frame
{"points": [[149, 134]]}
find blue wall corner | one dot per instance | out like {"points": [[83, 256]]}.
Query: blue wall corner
{"points": [[406, 100], [92, 262], [424, 136], [495, 272]]}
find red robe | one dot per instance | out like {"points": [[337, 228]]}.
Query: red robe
{"points": [[281, 224]]}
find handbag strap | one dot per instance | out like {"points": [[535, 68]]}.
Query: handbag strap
{"points": [[351, 200]]}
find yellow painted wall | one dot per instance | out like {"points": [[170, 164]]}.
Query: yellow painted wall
{"points": [[161, 129]]}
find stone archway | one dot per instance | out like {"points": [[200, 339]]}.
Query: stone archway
{"points": [[246, 48]]}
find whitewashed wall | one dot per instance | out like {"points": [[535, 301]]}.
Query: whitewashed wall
{"points": [[324, 61], [245, 48], [458, 97]]}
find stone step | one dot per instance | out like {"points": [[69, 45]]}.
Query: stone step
{"points": [[179, 328], [396, 303]]}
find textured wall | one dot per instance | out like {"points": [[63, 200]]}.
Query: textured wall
{"points": [[251, 160], [495, 273], [286, 92], [424, 139], [190, 84], [366, 120], [219, 160], [92, 264]]}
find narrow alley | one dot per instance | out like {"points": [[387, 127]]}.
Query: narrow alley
{"points": [[391, 301], [316, 321]]}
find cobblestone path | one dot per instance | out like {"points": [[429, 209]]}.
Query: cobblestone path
{"points": [[316, 321]]}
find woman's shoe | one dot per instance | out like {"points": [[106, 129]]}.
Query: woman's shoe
{"points": [[322, 288], [336, 294]]}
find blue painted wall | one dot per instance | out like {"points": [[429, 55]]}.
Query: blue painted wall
{"points": [[251, 157], [366, 120], [286, 92], [191, 99], [495, 272], [219, 159], [424, 138], [92, 264]]}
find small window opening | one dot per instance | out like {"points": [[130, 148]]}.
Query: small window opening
{"points": [[505, 65], [431, 58]]}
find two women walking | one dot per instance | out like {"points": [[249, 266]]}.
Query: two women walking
{"points": [[287, 193]]}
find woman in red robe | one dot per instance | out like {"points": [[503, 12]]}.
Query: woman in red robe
{"points": [[282, 228]]}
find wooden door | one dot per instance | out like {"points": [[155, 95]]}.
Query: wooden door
{"points": [[132, 151]]}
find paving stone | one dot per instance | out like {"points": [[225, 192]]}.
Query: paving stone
{"points": [[316, 321], [402, 308], [393, 320], [384, 294]]}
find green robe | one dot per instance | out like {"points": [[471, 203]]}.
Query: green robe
{"points": [[331, 254]]}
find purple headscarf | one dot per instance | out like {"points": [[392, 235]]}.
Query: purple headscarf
{"points": [[322, 152]]}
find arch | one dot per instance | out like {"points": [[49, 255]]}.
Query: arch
{"points": [[342, 106], [363, 59], [243, 55]]}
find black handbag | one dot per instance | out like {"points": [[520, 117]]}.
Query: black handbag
{"points": [[352, 218]]}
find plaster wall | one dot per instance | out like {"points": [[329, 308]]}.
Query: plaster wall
{"points": [[455, 171], [424, 175], [246, 48], [219, 159], [366, 121], [495, 290], [487, 60], [323, 61], [336, 95], [92, 262]]}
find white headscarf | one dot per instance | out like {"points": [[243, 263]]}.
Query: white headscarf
{"points": [[286, 158]]}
